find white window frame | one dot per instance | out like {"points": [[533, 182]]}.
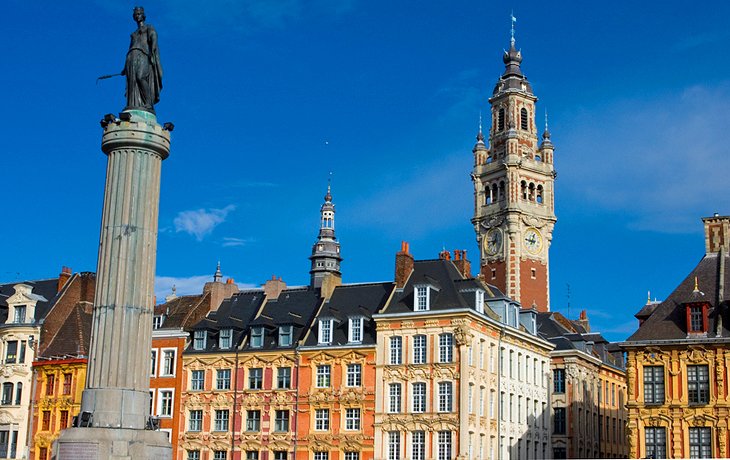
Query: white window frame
{"points": [[321, 419], [218, 379], [418, 445], [353, 419], [217, 423], [198, 421], [325, 330], [420, 352], [192, 385], [479, 299], [446, 347], [257, 337], [395, 397], [418, 398], [163, 362], [355, 329], [225, 339], [394, 447], [200, 335], [445, 440], [421, 298], [323, 372], [446, 396], [354, 375], [153, 362], [161, 402], [396, 350], [286, 332]]}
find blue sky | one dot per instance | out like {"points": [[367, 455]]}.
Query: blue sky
{"points": [[269, 97]]}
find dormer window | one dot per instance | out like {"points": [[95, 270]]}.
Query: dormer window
{"points": [[225, 339], [354, 332], [697, 318], [19, 314], [157, 321], [257, 337], [199, 339], [285, 336], [479, 296], [325, 330], [422, 298]]}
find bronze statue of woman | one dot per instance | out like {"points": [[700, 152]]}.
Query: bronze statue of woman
{"points": [[142, 68]]}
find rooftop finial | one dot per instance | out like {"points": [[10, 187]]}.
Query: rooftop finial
{"points": [[513, 19], [546, 121], [218, 276], [328, 196], [697, 287], [648, 296]]}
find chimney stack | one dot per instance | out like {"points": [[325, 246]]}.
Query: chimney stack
{"points": [[583, 320], [717, 233], [462, 263], [403, 265], [273, 287], [63, 277]]}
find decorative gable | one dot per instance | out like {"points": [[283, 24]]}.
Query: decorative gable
{"points": [[21, 305]]}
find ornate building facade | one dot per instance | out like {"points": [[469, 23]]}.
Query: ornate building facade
{"points": [[460, 371], [678, 362], [514, 206]]}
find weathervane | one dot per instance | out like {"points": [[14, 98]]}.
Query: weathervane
{"points": [[512, 32]]}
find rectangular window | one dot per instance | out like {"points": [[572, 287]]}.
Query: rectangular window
{"points": [[20, 314], [419, 349], [67, 384], [559, 420], [257, 337], [280, 455], [480, 300], [418, 445], [7, 396], [223, 379], [281, 421], [11, 352], [283, 378], [394, 445], [352, 419], [421, 303], [46, 420], [325, 330], [696, 320], [419, 397], [225, 339], [199, 339], [654, 385], [446, 348], [255, 378], [354, 333], [559, 381], [63, 420], [165, 403], [352, 455], [195, 420], [444, 445], [252, 455], [700, 443], [698, 384], [445, 392], [220, 422], [168, 363], [21, 355], [157, 322], [285, 336], [197, 380], [323, 376], [470, 399], [321, 419], [253, 420], [43, 453], [153, 363], [321, 456], [50, 384], [220, 455], [193, 455], [394, 390], [396, 350], [354, 375]]}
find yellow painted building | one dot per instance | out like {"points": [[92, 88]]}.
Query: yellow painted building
{"points": [[678, 361]]}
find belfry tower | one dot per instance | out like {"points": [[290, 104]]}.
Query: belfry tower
{"points": [[326, 250], [514, 207]]}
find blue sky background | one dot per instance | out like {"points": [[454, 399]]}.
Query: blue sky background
{"points": [[269, 96]]}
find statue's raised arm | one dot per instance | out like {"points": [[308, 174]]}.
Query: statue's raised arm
{"points": [[142, 67]]}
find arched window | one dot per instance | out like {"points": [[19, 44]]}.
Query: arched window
{"points": [[495, 193], [531, 194], [538, 158], [500, 120], [502, 194], [487, 195], [18, 394], [524, 123], [7, 395], [539, 194], [523, 189]]}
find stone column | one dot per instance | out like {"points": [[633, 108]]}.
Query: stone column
{"points": [[117, 383]]}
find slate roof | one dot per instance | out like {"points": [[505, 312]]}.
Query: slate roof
{"points": [[46, 288], [667, 320], [73, 337], [180, 311], [296, 307], [348, 301], [567, 334]]}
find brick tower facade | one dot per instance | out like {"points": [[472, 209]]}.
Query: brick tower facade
{"points": [[513, 177]]}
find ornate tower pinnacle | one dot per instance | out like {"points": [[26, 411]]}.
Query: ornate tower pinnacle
{"points": [[513, 190], [326, 250], [218, 276]]}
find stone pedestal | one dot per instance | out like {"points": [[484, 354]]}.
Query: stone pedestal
{"points": [[117, 381]]}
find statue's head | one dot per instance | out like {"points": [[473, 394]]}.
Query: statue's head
{"points": [[138, 14]]}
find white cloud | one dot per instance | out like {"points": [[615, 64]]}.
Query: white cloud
{"points": [[201, 222], [233, 242], [661, 162]]}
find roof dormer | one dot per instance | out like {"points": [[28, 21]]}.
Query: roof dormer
{"points": [[422, 295], [21, 305], [697, 310]]}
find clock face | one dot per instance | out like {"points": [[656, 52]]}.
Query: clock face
{"points": [[492, 242], [532, 240]]}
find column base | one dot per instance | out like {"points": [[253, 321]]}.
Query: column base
{"points": [[111, 444]]}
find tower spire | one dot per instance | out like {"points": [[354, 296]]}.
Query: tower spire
{"points": [[513, 20], [218, 276], [326, 250]]}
